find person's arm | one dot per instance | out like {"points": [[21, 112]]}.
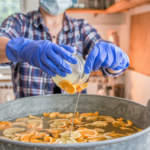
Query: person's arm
{"points": [[44, 54], [103, 55], [3, 43]]}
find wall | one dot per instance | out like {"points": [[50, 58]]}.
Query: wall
{"points": [[137, 85], [102, 22]]}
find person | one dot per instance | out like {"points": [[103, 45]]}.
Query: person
{"points": [[38, 44]]}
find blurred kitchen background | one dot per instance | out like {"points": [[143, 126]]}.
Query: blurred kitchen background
{"points": [[126, 23]]}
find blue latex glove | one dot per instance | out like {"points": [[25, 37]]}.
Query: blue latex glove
{"points": [[106, 55], [43, 54]]}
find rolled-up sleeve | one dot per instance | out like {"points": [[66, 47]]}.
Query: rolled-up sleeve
{"points": [[11, 28]]}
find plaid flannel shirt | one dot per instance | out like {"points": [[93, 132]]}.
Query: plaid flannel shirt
{"points": [[31, 81]]}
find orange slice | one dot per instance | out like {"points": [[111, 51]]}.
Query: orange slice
{"points": [[129, 123], [119, 119], [36, 141], [25, 138], [40, 134], [67, 86], [81, 87], [49, 139], [81, 140], [75, 121], [88, 132], [58, 125], [53, 114], [123, 128], [45, 114]]}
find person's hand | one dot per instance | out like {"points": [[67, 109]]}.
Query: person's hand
{"points": [[43, 54], [106, 55]]}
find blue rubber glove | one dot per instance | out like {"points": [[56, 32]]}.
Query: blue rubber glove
{"points": [[106, 55], [43, 54]]}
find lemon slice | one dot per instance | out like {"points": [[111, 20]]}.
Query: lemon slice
{"points": [[22, 119], [100, 123], [58, 125], [91, 118], [62, 120], [106, 118], [39, 123], [65, 141], [11, 131], [99, 130], [16, 139], [69, 115], [17, 123], [74, 135]]}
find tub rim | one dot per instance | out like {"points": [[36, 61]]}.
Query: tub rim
{"points": [[76, 145]]}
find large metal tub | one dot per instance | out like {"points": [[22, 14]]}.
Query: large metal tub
{"points": [[115, 107]]}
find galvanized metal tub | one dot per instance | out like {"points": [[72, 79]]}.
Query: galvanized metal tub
{"points": [[115, 107]]}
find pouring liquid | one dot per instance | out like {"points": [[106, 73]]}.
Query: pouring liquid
{"points": [[74, 113]]}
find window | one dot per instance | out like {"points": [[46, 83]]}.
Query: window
{"points": [[7, 8]]}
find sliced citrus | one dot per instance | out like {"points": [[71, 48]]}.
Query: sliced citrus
{"points": [[39, 123], [81, 140], [81, 87], [74, 135], [11, 131], [32, 125], [96, 138], [94, 114], [36, 141], [25, 138], [62, 120], [99, 130], [69, 115], [75, 120], [119, 124], [62, 115], [129, 123], [45, 114], [40, 134], [49, 139], [53, 114], [123, 128], [100, 123], [88, 132], [119, 119], [107, 118], [65, 141], [16, 138], [17, 123], [58, 125], [22, 120], [67, 86], [91, 118], [33, 117], [5, 124]]}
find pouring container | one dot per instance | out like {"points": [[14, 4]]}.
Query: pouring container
{"points": [[112, 106], [77, 79]]}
